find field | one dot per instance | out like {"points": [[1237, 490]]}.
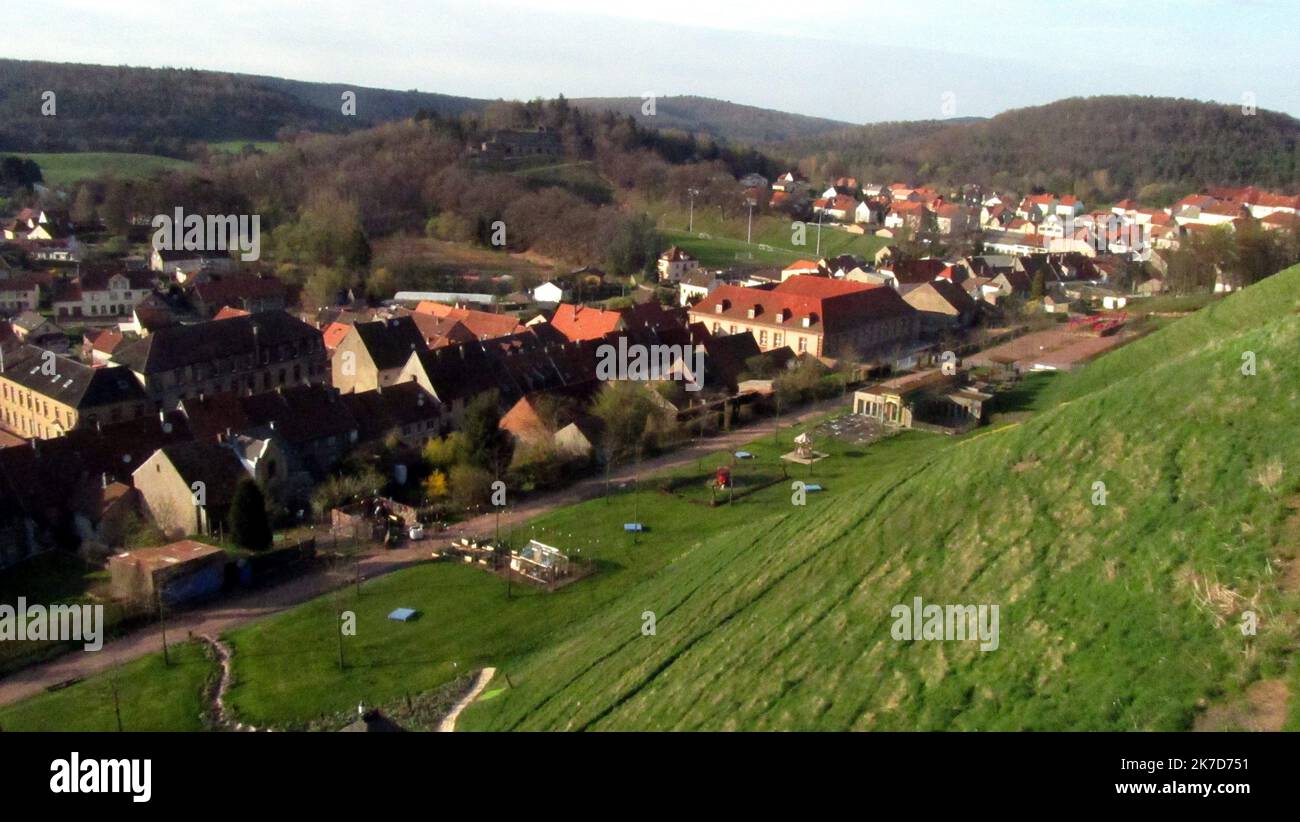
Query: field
{"points": [[723, 244], [67, 169], [152, 697]]}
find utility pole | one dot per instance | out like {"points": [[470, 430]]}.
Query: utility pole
{"points": [[338, 626], [749, 231], [776, 434], [117, 705], [510, 573], [636, 493], [162, 618], [690, 219], [820, 215]]}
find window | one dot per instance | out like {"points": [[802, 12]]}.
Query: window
{"points": [[803, 345]]}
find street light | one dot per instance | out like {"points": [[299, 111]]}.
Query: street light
{"points": [[749, 231], [690, 219]]}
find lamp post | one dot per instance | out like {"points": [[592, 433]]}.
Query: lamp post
{"points": [[820, 215], [749, 230], [690, 218]]}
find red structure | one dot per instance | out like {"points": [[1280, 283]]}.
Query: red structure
{"points": [[723, 478]]}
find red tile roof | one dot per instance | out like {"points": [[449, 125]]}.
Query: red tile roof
{"points": [[229, 312], [831, 306], [580, 322]]}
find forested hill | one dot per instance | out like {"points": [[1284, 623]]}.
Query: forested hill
{"points": [[164, 111], [720, 119], [1096, 147]]}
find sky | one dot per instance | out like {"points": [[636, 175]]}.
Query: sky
{"points": [[858, 60]]}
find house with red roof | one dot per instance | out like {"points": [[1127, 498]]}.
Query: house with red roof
{"points": [[583, 322], [813, 315], [915, 216]]}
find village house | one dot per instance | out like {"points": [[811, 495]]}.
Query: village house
{"points": [[674, 263], [184, 265], [815, 315], [187, 488], [550, 293], [19, 293], [581, 322], [911, 215], [404, 410], [256, 353], [34, 329], [101, 294], [480, 325], [98, 344], [930, 400], [372, 354], [943, 306], [248, 292], [44, 395], [697, 285]]}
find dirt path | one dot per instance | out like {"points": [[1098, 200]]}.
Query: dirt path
{"points": [[219, 710], [216, 618], [448, 723]]}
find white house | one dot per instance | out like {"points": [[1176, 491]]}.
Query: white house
{"points": [[549, 292], [675, 262], [101, 294]]}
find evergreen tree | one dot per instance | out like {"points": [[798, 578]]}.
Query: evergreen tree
{"points": [[249, 526]]}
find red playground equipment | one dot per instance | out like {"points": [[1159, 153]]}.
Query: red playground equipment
{"points": [[723, 477]]}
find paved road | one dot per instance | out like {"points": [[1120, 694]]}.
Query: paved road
{"points": [[218, 617]]}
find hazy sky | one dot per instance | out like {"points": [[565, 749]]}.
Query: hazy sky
{"points": [[856, 61]]}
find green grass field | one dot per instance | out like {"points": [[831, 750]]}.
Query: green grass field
{"points": [[773, 243], [152, 697], [67, 169]]}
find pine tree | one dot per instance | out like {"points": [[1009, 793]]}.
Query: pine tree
{"points": [[249, 526]]}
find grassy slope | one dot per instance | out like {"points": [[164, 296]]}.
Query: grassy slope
{"points": [[785, 623], [66, 169]]}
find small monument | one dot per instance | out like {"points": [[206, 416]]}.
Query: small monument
{"points": [[803, 452]]}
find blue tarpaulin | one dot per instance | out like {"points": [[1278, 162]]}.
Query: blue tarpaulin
{"points": [[744, 455], [403, 614], [633, 526]]}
